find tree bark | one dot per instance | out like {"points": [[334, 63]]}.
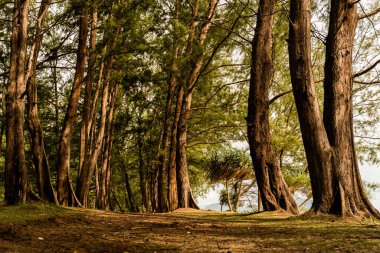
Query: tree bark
{"points": [[185, 197], [106, 165], [172, 173], [163, 173], [228, 196], [259, 203], [274, 191], [349, 195], [317, 148], [238, 192], [56, 102], [15, 172], [93, 146], [63, 164], [131, 200], [87, 172], [142, 170], [328, 142], [85, 125], [40, 160]]}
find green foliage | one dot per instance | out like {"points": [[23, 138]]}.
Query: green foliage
{"points": [[298, 182], [371, 188], [144, 54], [231, 164]]}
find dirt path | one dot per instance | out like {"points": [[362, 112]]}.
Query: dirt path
{"points": [[97, 231]]}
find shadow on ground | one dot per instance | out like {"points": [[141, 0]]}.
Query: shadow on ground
{"points": [[45, 228]]}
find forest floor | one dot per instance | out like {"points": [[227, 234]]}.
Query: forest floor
{"points": [[46, 228]]}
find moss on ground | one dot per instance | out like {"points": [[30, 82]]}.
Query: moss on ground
{"points": [[30, 212]]}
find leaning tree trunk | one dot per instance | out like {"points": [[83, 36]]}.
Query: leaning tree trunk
{"points": [[228, 195], [15, 172], [317, 148], [63, 163], [40, 160], [172, 163], [143, 173], [185, 196], [349, 195], [85, 125], [103, 198], [87, 172], [274, 191], [172, 173], [163, 176], [329, 145], [131, 201]]}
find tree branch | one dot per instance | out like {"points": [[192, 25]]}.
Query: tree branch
{"points": [[370, 14], [225, 65], [222, 87], [221, 42], [367, 69], [279, 96], [367, 137], [367, 83]]}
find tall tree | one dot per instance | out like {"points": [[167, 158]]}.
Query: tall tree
{"points": [[40, 160], [15, 171], [103, 197], [185, 197], [166, 189], [89, 169], [64, 187], [274, 191], [328, 140], [85, 125]]}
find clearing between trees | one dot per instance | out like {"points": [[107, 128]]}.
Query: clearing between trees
{"points": [[47, 228]]}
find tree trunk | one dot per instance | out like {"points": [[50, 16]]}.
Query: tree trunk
{"points": [[329, 144], [63, 163], [172, 173], [2, 130], [163, 174], [40, 160], [56, 102], [349, 195], [318, 151], [15, 172], [106, 165], [274, 191], [131, 201], [228, 196], [97, 184], [87, 172], [90, 159], [142, 171], [238, 192], [117, 200], [259, 202], [185, 196], [84, 132], [91, 126]]}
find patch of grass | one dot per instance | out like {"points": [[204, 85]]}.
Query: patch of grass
{"points": [[115, 232], [279, 231], [29, 212]]}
